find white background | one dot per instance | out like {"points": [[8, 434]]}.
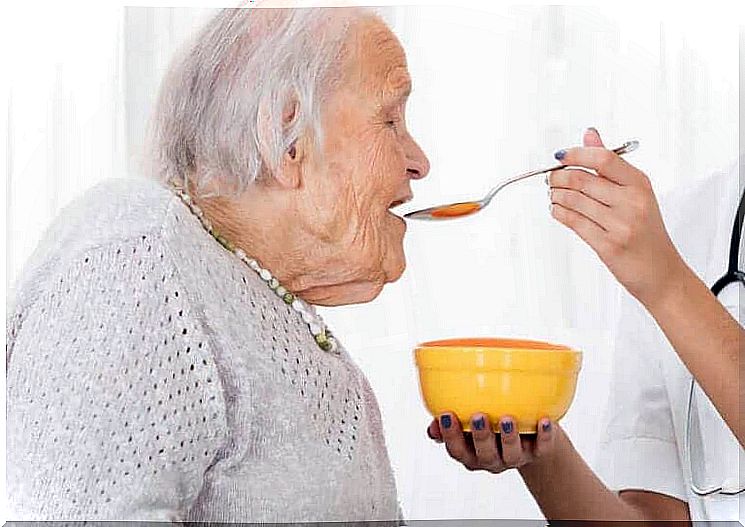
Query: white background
{"points": [[496, 91]]}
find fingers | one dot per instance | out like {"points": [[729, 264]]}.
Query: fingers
{"points": [[591, 137], [433, 431], [586, 206], [603, 209], [545, 438], [482, 449], [595, 187], [455, 442], [589, 231], [485, 444], [603, 161], [512, 450]]}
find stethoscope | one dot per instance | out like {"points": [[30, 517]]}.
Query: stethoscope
{"points": [[732, 276]]}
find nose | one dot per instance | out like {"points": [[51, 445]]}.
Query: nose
{"points": [[417, 166]]}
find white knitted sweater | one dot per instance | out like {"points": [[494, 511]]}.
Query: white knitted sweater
{"points": [[153, 376]]}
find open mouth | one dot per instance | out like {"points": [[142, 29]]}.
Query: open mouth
{"points": [[398, 203]]}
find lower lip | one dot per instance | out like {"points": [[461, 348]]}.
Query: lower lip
{"points": [[399, 218]]}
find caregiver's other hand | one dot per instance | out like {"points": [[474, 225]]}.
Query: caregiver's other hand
{"points": [[617, 214], [482, 449]]}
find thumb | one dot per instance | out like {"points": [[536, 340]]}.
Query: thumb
{"points": [[591, 137]]}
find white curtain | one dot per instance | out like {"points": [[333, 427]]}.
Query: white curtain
{"points": [[496, 91]]}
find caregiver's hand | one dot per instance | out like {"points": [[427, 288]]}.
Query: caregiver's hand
{"points": [[617, 214], [485, 450]]}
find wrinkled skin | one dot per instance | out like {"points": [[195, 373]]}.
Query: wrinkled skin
{"points": [[322, 224]]}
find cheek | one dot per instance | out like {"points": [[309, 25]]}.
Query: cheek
{"points": [[363, 165], [367, 167], [384, 164]]}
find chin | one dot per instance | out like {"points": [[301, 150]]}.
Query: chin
{"points": [[395, 262], [395, 269], [370, 294], [347, 294]]}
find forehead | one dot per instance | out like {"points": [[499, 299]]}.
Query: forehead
{"points": [[377, 62]]}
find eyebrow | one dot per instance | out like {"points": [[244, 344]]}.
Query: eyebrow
{"points": [[398, 95], [405, 92]]}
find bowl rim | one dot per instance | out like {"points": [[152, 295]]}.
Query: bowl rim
{"points": [[458, 355], [494, 343]]}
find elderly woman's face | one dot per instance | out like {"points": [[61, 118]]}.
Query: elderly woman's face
{"points": [[369, 161]]}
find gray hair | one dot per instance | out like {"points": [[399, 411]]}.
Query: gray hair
{"points": [[220, 108]]}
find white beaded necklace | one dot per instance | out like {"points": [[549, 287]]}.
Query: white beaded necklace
{"points": [[317, 326]]}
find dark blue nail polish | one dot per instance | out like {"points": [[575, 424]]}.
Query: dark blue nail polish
{"points": [[445, 421], [479, 423], [507, 427], [547, 426], [560, 154]]}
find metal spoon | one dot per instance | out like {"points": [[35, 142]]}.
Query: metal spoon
{"points": [[467, 208]]}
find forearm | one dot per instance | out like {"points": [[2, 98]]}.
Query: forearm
{"points": [[567, 489], [707, 339]]}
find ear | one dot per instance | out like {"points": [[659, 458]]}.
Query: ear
{"points": [[289, 171]]}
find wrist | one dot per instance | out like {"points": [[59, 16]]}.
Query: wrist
{"points": [[667, 283], [676, 280]]}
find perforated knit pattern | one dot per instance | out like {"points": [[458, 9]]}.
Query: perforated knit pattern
{"points": [[152, 376], [335, 409], [113, 385]]}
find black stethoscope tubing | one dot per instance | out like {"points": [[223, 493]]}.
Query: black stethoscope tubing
{"points": [[731, 276]]}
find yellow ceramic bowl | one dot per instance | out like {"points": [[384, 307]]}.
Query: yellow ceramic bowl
{"points": [[525, 379]]}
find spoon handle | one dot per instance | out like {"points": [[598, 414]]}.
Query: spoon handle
{"points": [[628, 146]]}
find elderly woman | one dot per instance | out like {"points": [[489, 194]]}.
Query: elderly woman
{"points": [[164, 360]]}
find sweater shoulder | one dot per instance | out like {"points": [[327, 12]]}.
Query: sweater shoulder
{"points": [[112, 357], [108, 214]]}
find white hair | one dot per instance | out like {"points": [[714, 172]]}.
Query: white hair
{"points": [[221, 106]]}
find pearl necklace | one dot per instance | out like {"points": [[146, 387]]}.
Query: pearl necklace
{"points": [[318, 329]]}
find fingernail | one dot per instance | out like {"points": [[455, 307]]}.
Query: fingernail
{"points": [[560, 154], [547, 426], [445, 421], [592, 129], [478, 424], [507, 427]]}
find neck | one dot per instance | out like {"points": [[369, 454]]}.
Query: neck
{"points": [[271, 230]]}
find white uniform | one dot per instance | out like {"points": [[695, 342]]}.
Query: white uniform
{"points": [[644, 441]]}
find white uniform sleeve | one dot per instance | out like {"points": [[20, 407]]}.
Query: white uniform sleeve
{"points": [[638, 449]]}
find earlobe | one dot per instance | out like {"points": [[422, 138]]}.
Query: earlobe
{"points": [[289, 173]]}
